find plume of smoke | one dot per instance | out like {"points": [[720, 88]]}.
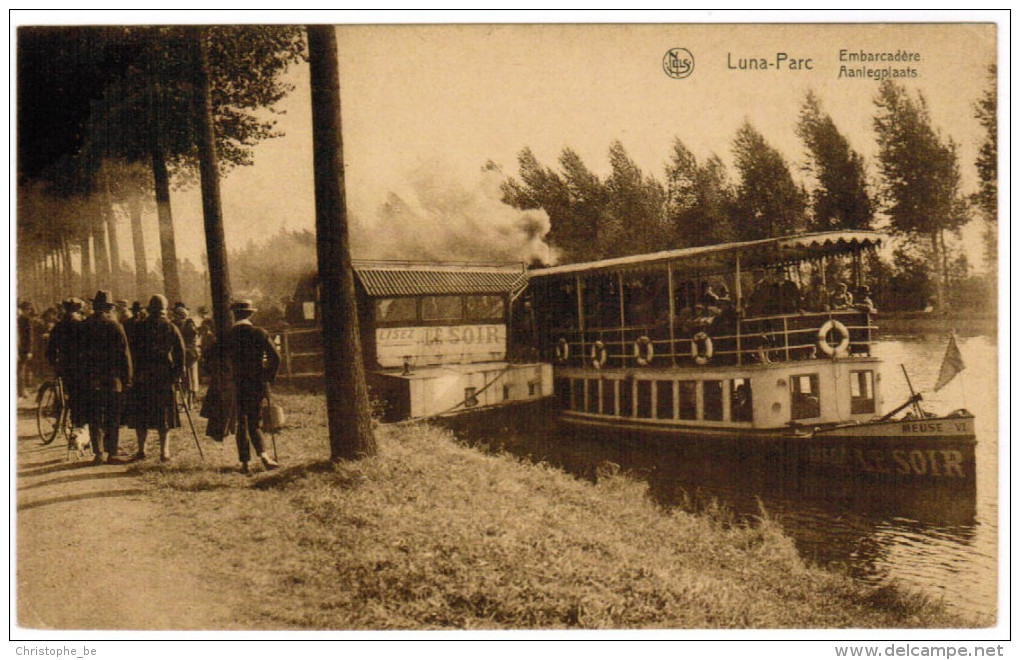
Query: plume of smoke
{"points": [[440, 218]]}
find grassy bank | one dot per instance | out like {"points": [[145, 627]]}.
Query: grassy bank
{"points": [[434, 535]]}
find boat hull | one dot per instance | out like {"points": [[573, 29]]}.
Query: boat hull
{"points": [[937, 449]]}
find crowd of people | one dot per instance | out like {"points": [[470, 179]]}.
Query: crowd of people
{"points": [[135, 367]]}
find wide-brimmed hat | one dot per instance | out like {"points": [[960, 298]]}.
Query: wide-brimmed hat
{"points": [[102, 300], [243, 306], [158, 303]]}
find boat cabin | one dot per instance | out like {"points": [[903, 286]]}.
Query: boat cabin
{"points": [[434, 336], [739, 337]]}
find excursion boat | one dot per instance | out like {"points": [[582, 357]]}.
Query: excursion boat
{"points": [[720, 345], [434, 338]]}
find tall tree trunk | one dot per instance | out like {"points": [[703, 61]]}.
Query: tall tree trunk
{"points": [[939, 276], [212, 214], [86, 262], [945, 265], [167, 244], [65, 253], [138, 241], [102, 256], [350, 425], [116, 274], [161, 180]]}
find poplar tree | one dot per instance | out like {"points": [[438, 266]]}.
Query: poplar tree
{"points": [[920, 176], [840, 199], [768, 201]]}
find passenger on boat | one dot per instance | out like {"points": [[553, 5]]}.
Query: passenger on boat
{"points": [[864, 302], [763, 299], [789, 297], [841, 297]]}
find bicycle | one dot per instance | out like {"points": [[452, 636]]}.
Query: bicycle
{"points": [[52, 414]]}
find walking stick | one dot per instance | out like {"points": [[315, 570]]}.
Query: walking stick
{"points": [[187, 413], [272, 426]]}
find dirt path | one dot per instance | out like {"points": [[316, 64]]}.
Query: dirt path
{"points": [[95, 552]]}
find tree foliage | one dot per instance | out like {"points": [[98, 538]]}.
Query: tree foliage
{"points": [[840, 200], [920, 183], [768, 201], [987, 163], [699, 199]]}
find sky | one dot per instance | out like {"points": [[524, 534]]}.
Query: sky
{"points": [[445, 99]]}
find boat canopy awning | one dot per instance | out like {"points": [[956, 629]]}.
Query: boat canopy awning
{"points": [[722, 258], [389, 279]]}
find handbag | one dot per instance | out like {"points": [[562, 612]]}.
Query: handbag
{"points": [[273, 417]]}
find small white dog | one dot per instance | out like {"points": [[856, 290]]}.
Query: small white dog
{"points": [[79, 442]]}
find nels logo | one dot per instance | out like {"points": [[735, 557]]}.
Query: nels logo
{"points": [[678, 63]]}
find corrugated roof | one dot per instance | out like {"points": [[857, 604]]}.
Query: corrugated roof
{"points": [[387, 279], [722, 257]]}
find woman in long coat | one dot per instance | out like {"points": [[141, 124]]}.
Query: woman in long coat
{"points": [[158, 352], [219, 405]]}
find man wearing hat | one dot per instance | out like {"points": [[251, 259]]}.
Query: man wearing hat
{"points": [[189, 333], [864, 302], [63, 352], [26, 337], [107, 373], [159, 364], [254, 360]]}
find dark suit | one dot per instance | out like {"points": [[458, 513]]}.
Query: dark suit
{"points": [[63, 352], [106, 374], [254, 360]]}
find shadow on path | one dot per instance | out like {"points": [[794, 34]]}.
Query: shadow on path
{"points": [[73, 479], [81, 496]]}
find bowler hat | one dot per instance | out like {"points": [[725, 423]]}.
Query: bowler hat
{"points": [[242, 306], [102, 301]]}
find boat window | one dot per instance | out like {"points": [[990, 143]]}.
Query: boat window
{"points": [[626, 398], [664, 399], [741, 409], [484, 308], [713, 400], [609, 397], [804, 399], [442, 308], [396, 310], [862, 392], [688, 400], [592, 398], [644, 399]]}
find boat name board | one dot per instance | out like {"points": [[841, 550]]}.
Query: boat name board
{"points": [[440, 344], [941, 463], [934, 428]]}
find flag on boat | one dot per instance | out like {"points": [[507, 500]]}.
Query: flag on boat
{"points": [[952, 363]]}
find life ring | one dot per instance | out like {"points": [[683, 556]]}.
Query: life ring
{"points": [[562, 350], [598, 354], [701, 357], [641, 346], [823, 341]]}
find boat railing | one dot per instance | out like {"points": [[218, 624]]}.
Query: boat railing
{"points": [[704, 342]]}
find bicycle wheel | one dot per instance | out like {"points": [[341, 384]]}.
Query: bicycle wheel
{"points": [[49, 413]]}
